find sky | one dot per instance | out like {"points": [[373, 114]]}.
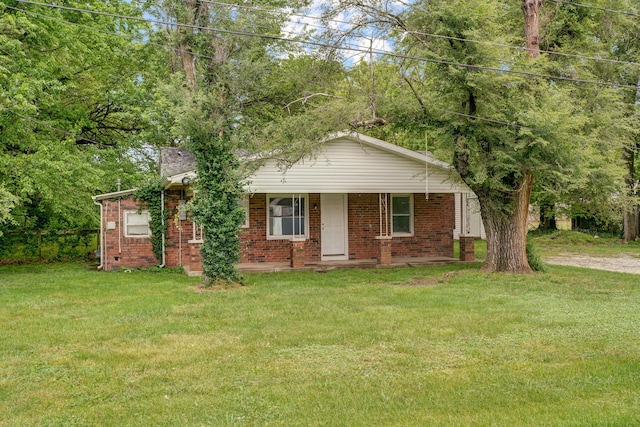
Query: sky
{"points": [[369, 39]]}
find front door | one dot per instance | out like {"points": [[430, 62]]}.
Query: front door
{"points": [[334, 226]]}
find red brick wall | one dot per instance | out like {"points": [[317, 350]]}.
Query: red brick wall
{"points": [[179, 232], [138, 252], [434, 221], [129, 252], [253, 240], [364, 226]]}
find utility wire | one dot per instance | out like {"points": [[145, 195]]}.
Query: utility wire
{"points": [[421, 33], [603, 9], [522, 48], [474, 117], [338, 47], [578, 56], [132, 38]]}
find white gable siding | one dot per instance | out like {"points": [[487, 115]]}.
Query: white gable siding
{"points": [[347, 166]]}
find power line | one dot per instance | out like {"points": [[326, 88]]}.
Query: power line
{"points": [[502, 122], [338, 47], [522, 48], [446, 111], [204, 56], [603, 9], [502, 45], [110, 33], [131, 37]]}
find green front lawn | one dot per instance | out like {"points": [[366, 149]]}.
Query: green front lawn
{"points": [[574, 242], [407, 346]]}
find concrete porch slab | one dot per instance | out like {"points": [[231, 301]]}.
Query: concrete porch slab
{"points": [[270, 267], [332, 265]]}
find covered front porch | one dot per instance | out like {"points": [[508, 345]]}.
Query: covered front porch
{"points": [[272, 267], [466, 256]]}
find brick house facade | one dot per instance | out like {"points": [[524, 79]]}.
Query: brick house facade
{"points": [[397, 221], [433, 233]]}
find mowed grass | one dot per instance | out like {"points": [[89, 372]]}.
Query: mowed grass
{"points": [[380, 347], [573, 242]]}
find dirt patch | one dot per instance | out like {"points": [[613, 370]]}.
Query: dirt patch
{"points": [[423, 282], [622, 263], [200, 288]]}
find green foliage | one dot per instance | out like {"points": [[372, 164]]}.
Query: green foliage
{"points": [[71, 96], [212, 104], [151, 194], [7, 203], [215, 205], [37, 246], [574, 239], [535, 262], [501, 130]]}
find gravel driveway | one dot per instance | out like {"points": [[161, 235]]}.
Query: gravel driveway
{"points": [[622, 263]]}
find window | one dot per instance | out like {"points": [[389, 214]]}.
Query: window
{"points": [[402, 215], [198, 233], [136, 224], [244, 202], [287, 216]]}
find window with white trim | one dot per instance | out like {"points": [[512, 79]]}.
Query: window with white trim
{"points": [[402, 214], [136, 224], [287, 216], [198, 233]]}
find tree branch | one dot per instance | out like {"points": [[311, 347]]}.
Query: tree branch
{"points": [[304, 99]]}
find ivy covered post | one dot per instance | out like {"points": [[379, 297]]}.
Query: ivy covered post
{"points": [[215, 204]]}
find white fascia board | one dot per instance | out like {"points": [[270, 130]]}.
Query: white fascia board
{"points": [[113, 195]]}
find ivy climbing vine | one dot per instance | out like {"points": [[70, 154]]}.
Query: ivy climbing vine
{"points": [[151, 195], [215, 205]]}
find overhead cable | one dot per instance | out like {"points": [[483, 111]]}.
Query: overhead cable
{"points": [[339, 47]]}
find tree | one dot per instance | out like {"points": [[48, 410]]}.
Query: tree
{"points": [[225, 83], [506, 124], [70, 102], [608, 48]]}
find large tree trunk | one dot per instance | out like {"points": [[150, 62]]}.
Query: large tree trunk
{"points": [[630, 224], [507, 233], [531, 9], [507, 230]]}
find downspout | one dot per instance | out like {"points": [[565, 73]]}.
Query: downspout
{"points": [[101, 238], [163, 227], [119, 223], [426, 165]]}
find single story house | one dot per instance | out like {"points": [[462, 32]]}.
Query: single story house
{"points": [[354, 198]]}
